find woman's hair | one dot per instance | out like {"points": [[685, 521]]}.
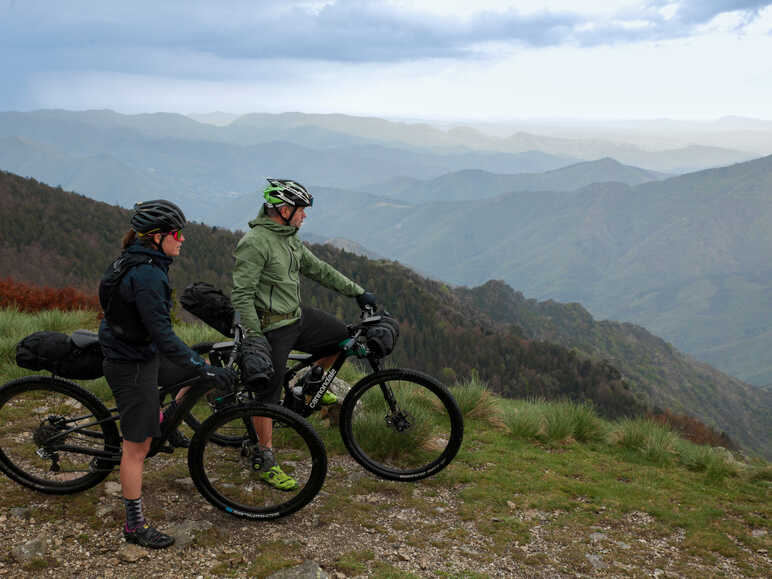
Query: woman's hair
{"points": [[131, 237]]}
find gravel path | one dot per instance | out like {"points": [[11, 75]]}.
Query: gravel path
{"points": [[379, 532]]}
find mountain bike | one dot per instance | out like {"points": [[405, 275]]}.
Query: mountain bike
{"points": [[398, 424], [56, 437]]}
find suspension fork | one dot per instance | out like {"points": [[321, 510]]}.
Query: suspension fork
{"points": [[388, 394]]}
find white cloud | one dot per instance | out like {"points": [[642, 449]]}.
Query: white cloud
{"points": [[449, 59]]}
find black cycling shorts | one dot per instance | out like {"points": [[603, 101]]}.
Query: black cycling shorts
{"points": [[316, 332], [135, 388]]}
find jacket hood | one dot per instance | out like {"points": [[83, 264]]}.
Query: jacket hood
{"points": [[158, 256], [262, 220]]}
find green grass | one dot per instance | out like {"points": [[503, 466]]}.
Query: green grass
{"points": [[525, 467], [555, 421], [476, 402]]}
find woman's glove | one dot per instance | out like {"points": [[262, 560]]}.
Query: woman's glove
{"points": [[222, 378]]}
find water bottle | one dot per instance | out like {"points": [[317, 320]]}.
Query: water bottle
{"points": [[313, 381]]}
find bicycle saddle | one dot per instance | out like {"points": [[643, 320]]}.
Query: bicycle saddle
{"points": [[84, 338]]}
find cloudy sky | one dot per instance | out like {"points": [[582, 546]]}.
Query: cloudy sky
{"points": [[432, 59]]}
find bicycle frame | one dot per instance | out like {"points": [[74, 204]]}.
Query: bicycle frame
{"points": [[349, 347], [114, 457]]}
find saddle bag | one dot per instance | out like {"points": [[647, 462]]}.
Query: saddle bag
{"points": [[210, 305], [78, 356], [382, 336]]}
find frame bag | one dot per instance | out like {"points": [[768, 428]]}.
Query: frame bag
{"points": [[78, 356]]}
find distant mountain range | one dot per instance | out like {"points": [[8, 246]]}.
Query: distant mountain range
{"points": [[473, 184], [688, 157], [688, 257], [522, 347], [174, 156], [568, 215]]}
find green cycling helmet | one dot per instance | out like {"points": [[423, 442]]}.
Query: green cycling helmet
{"points": [[287, 192]]}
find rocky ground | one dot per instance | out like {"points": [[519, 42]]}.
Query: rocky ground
{"points": [[384, 534]]}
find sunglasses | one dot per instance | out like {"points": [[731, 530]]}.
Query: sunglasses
{"points": [[176, 235]]}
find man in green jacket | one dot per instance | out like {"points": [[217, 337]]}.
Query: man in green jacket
{"points": [[266, 292]]}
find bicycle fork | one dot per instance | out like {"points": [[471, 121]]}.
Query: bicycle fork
{"points": [[397, 418]]}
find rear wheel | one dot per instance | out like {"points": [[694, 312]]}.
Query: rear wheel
{"points": [[230, 478], [401, 425], [50, 435]]}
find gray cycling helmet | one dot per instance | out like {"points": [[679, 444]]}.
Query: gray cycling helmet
{"points": [[287, 192], [157, 216]]}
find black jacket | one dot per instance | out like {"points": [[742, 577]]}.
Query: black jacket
{"points": [[145, 289]]}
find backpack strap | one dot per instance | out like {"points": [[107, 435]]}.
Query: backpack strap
{"points": [[125, 327]]}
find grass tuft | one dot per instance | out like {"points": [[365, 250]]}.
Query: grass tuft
{"points": [[655, 442], [476, 401], [555, 421]]}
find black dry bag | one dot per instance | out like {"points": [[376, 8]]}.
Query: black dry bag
{"points": [[382, 336], [210, 305], [78, 356]]}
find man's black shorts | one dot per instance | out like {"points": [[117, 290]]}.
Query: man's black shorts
{"points": [[316, 332]]}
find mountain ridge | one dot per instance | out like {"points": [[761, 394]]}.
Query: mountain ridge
{"points": [[687, 256], [475, 184], [443, 331], [676, 382]]}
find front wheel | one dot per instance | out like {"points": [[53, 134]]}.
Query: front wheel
{"points": [[51, 437], [401, 424], [231, 477], [203, 409]]}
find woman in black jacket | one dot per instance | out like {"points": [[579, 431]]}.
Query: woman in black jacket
{"points": [[136, 336]]}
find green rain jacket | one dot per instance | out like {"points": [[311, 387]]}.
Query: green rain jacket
{"points": [[266, 277]]}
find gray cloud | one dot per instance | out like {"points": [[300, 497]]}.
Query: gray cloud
{"points": [[702, 11], [201, 39]]}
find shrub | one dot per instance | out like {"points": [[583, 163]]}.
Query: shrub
{"points": [[693, 429], [30, 298]]}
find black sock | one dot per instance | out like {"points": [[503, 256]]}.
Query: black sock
{"points": [[134, 517]]}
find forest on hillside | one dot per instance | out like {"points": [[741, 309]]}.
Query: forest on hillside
{"points": [[438, 333], [50, 237]]}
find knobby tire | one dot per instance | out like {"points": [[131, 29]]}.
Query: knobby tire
{"points": [[41, 407], [417, 440], [225, 475]]}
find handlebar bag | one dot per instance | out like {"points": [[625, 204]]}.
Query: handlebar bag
{"points": [[59, 353], [210, 305], [382, 337]]}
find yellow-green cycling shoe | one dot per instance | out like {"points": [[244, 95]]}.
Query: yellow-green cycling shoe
{"points": [[329, 398], [278, 479]]}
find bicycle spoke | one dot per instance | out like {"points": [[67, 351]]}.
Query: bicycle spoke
{"points": [[401, 425], [230, 476], [43, 445]]}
